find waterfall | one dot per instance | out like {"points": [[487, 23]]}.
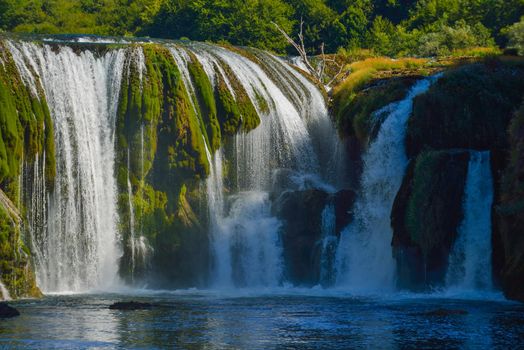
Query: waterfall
{"points": [[245, 237], [4, 292], [76, 248], [364, 256], [327, 245], [132, 238], [74, 222], [470, 260]]}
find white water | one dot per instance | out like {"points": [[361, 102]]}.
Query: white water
{"points": [[246, 247], [327, 245], [77, 249], [364, 255], [4, 292], [470, 261]]}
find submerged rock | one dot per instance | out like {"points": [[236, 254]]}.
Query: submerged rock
{"points": [[444, 312], [7, 311], [130, 305]]}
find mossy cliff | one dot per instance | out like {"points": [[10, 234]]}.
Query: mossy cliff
{"points": [[470, 107], [164, 131], [510, 213], [26, 134], [426, 215]]}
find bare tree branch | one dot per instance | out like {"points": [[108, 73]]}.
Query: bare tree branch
{"points": [[318, 73]]}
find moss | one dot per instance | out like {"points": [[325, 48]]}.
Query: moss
{"points": [[26, 133], [156, 118], [434, 209], [16, 271], [26, 130], [206, 101], [358, 119], [235, 113]]}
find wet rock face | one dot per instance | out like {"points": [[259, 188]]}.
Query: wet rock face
{"points": [[509, 214], [426, 215], [301, 214]]}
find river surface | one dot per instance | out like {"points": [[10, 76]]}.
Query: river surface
{"points": [[273, 320]]}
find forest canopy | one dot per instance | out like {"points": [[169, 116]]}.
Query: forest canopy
{"points": [[386, 27]]}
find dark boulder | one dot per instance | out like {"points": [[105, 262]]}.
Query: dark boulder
{"points": [[301, 214], [444, 312], [7, 311]]}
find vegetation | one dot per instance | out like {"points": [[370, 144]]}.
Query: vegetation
{"points": [[469, 107], [368, 87], [388, 27], [26, 134]]}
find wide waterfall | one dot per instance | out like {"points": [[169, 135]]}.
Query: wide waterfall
{"points": [[470, 261], [89, 222], [75, 244], [364, 256], [74, 223]]}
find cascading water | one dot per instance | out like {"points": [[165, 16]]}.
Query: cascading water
{"points": [[364, 256], [76, 244], [74, 223], [4, 293], [245, 236], [470, 261], [328, 245]]}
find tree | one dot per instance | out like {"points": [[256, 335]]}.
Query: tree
{"points": [[515, 35]]}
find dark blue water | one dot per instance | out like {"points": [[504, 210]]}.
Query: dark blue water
{"points": [[193, 320]]}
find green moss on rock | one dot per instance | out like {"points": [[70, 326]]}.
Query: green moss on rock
{"points": [[357, 117], [235, 112], [16, 270], [426, 214], [206, 102]]}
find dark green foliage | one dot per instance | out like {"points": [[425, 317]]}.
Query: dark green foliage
{"points": [[469, 107], [388, 27], [242, 22]]}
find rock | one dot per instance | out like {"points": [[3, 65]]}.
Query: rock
{"points": [[509, 218], [425, 217], [469, 107], [444, 312], [301, 214], [7, 311], [130, 305]]}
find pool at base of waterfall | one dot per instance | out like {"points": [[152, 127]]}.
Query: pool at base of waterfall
{"points": [[276, 319]]}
